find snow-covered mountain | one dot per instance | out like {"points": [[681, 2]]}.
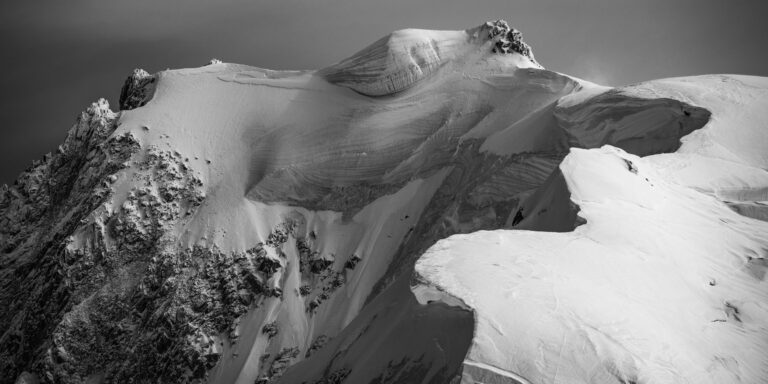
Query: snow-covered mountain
{"points": [[437, 208]]}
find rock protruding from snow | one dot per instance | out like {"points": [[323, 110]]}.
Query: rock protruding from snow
{"points": [[507, 39], [137, 90], [39, 214]]}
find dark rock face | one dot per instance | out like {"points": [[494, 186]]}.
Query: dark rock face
{"points": [[137, 90], [41, 277], [319, 342], [94, 286], [270, 329]]}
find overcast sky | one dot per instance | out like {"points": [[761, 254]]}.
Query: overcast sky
{"points": [[59, 56]]}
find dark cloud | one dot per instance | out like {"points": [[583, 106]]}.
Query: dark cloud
{"points": [[58, 56]]}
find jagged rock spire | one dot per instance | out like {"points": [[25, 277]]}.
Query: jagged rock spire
{"points": [[507, 39], [137, 90]]}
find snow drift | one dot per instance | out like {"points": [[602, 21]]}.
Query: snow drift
{"points": [[235, 225]]}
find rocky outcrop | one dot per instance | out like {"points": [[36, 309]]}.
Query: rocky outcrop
{"points": [[41, 277], [94, 283], [137, 90], [507, 39]]}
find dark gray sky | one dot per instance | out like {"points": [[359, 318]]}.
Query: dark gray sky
{"points": [[58, 56]]}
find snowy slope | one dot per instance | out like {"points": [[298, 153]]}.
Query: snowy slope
{"points": [[663, 283], [235, 224], [254, 212]]}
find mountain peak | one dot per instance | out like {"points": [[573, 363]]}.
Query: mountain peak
{"points": [[407, 57]]}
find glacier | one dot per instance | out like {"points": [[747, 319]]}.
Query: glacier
{"points": [[436, 208]]}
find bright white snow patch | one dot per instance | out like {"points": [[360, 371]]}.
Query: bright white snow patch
{"points": [[663, 284]]}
